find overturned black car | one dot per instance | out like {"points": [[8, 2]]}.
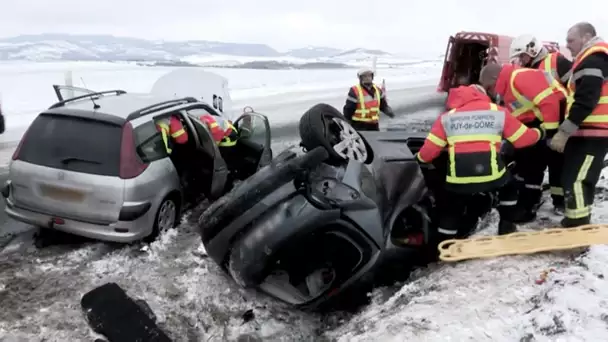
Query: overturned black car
{"points": [[313, 228]]}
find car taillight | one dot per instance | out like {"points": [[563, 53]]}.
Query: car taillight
{"points": [[23, 137], [130, 164]]}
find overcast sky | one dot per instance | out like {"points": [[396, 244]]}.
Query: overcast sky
{"points": [[417, 26]]}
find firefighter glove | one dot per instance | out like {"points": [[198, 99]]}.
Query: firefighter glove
{"points": [[566, 129], [559, 140]]}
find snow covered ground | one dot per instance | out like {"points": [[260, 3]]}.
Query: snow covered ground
{"points": [[498, 299], [479, 300]]}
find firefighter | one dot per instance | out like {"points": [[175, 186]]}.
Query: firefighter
{"points": [[364, 103], [472, 134], [223, 131], [172, 131], [528, 52], [225, 136], [534, 97], [583, 136]]}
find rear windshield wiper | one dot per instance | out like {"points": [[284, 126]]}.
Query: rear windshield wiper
{"points": [[71, 159]]}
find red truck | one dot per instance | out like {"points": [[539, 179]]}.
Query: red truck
{"points": [[468, 52]]}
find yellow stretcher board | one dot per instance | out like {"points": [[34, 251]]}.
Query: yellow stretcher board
{"points": [[551, 239]]}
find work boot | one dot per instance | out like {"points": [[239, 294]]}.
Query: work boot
{"points": [[524, 215], [571, 223], [506, 227]]}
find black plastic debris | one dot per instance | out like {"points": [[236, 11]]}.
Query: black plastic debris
{"points": [[112, 313]]}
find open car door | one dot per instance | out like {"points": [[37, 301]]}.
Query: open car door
{"points": [[65, 92], [254, 139], [208, 147]]}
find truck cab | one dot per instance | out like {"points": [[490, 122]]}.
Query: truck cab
{"points": [[468, 52]]}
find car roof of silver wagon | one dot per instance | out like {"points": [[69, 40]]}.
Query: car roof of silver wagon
{"points": [[119, 106]]}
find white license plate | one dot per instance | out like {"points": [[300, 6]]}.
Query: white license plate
{"points": [[62, 194]]}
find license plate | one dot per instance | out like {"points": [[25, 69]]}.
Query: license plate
{"points": [[62, 194]]}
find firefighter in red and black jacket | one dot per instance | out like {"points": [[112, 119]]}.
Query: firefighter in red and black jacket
{"points": [[223, 131], [583, 136], [528, 52], [225, 135], [364, 103], [534, 97], [172, 132], [472, 133]]}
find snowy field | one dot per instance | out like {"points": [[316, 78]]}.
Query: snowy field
{"points": [[25, 88], [480, 300], [354, 58]]}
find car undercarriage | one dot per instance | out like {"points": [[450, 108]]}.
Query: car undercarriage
{"points": [[344, 215]]}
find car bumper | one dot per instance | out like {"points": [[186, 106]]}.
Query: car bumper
{"points": [[121, 232]]}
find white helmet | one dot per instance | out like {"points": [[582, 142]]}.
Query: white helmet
{"points": [[527, 44], [364, 71]]}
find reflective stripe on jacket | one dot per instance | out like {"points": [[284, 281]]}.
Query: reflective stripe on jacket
{"points": [[172, 131], [599, 116], [368, 106], [223, 131], [532, 95], [550, 65], [472, 133]]}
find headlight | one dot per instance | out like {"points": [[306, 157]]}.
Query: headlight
{"points": [[332, 190]]}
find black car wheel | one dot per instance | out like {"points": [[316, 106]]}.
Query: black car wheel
{"points": [[323, 125]]}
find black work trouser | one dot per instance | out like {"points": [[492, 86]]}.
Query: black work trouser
{"points": [[459, 213], [364, 126], [584, 162], [555, 163], [530, 165]]}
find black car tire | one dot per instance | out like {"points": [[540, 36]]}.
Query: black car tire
{"points": [[245, 196], [171, 199], [318, 129]]}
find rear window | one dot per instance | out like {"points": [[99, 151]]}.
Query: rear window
{"points": [[149, 143], [73, 144]]}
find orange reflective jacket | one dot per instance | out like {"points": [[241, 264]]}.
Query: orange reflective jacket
{"points": [[598, 119], [223, 131], [368, 105], [172, 130]]}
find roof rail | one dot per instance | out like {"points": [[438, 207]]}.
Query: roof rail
{"points": [[160, 106], [62, 103]]}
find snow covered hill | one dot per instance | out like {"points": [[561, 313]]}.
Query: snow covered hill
{"points": [[313, 52], [53, 47], [362, 56]]}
